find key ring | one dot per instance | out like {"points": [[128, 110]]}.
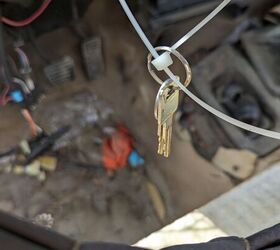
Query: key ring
{"points": [[178, 56]]}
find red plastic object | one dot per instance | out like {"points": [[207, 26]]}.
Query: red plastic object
{"points": [[116, 149]]}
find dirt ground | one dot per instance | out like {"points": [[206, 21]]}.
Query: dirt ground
{"points": [[126, 214]]}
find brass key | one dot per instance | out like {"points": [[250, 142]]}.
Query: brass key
{"points": [[167, 103]]}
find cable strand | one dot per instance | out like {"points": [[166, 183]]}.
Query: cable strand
{"points": [[30, 19], [199, 26]]}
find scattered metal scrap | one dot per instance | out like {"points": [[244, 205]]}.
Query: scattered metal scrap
{"points": [[237, 90], [31, 157], [246, 89]]}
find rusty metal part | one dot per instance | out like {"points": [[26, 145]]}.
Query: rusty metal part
{"points": [[210, 77]]}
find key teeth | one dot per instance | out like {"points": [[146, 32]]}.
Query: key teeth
{"points": [[164, 140], [160, 148]]}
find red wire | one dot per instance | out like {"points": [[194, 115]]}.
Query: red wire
{"points": [[4, 99], [30, 19]]}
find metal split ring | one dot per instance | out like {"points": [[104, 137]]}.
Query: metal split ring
{"points": [[178, 56]]}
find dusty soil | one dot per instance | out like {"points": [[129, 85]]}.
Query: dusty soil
{"points": [[125, 214]]}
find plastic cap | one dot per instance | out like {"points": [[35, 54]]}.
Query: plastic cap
{"points": [[163, 61], [17, 96], [135, 159]]}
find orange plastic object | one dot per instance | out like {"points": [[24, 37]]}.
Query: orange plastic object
{"points": [[116, 149]]}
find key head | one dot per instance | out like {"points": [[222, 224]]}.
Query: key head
{"points": [[167, 102]]}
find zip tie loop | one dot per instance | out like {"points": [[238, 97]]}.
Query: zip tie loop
{"points": [[219, 114], [178, 56]]}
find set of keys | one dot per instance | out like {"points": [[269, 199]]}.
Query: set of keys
{"points": [[167, 100]]}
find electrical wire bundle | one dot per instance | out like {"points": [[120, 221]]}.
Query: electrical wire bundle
{"points": [[18, 84]]}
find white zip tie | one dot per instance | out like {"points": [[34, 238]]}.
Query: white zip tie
{"points": [[201, 24], [219, 114], [137, 27]]}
